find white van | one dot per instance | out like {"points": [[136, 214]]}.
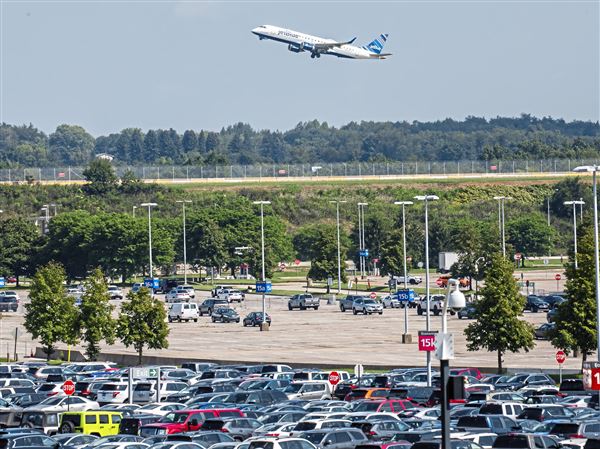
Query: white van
{"points": [[145, 392], [183, 311]]}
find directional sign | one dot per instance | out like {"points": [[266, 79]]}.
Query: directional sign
{"points": [[144, 373], [427, 340], [334, 378], [405, 295], [264, 287], [561, 357], [152, 283], [364, 253], [68, 387], [2, 282]]}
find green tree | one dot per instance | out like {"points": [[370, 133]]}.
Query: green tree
{"points": [[569, 189], [94, 320], [324, 259], [206, 243], [19, 240], [71, 145], [576, 319], [531, 235], [101, 177], [142, 323], [498, 327], [50, 315]]}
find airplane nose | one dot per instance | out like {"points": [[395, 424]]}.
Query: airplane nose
{"points": [[255, 31]]}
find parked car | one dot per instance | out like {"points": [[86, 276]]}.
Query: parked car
{"points": [[535, 304], [542, 332], [115, 292], [366, 306], [255, 318], [231, 295], [93, 422], [225, 315], [175, 295], [208, 305], [467, 312], [183, 311], [303, 301], [189, 289], [346, 303], [8, 304], [390, 301]]}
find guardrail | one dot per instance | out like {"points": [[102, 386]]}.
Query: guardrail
{"points": [[278, 171]]}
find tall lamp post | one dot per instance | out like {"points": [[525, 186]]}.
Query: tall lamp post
{"points": [[183, 202], [361, 237], [263, 325], [339, 251], [150, 206], [594, 169], [574, 204], [426, 199], [501, 200], [405, 336]]}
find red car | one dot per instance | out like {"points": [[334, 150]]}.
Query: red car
{"points": [[188, 420], [386, 405], [474, 372]]}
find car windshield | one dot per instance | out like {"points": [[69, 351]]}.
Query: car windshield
{"points": [[367, 406], [314, 437], [174, 418], [51, 401], [292, 388], [369, 301]]}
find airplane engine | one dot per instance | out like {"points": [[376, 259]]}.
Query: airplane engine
{"points": [[308, 47], [295, 49]]}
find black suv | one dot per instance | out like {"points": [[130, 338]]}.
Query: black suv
{"points": [[211, 304]]}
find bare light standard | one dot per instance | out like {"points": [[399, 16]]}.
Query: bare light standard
{"points": [[594, 169], [339, 253], [264, 325], [426, 199], [183, 202], [574, 204], [133, 211], [501, 200], [150, 206], [361, 238], [405, 337]]}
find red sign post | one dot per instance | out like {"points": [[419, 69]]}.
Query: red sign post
{"points": [[560, 357], [68, 387], [427, 340], [373, 295], [557, 277], [334, 378]]}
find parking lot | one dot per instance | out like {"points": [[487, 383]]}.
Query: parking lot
{"points": [[326, 336]]}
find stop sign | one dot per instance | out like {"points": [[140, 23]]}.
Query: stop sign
{"points": [[561, 357], [557, 276], [373, 295], [297, 261], [68, 387], [334, 378]]}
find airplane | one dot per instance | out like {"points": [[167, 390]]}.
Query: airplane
{"points": [[317, 46]]}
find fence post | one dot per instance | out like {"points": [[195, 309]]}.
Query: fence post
{"points": [[569, 166], [458, 167], [201, 172], [173, 173], [359, 169], [513, 167], [69, 171], [158, 173], [416, 168], [9, 175], [187, 173]]}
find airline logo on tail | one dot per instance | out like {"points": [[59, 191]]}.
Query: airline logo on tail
{"points": [[377, 45]]}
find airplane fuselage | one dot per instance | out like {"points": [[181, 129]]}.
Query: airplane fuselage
{"points": [[299, 42]]}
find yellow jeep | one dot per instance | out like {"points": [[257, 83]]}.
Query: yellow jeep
{"points": [[93, 422]]}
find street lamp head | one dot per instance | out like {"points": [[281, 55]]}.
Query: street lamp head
{"points": [[501, 198], [183, 201], [338, 201], [403, 203], [261, 202], [363, 204], [576, 202], [148, 204], [426, 197]]}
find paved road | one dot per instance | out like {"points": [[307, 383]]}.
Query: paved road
{"points": [[323, 336]]}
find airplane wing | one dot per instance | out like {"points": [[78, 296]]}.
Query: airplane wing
{"points": [[327, 46]]}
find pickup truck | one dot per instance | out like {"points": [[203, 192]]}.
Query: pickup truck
{"points": [[231, 295], [303, 301], [346, 303], [219, 289], [436, 304]]}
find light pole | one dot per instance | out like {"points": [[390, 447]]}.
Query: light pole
{"points": [[574, 204], [264, 324], [594, 169], [339, 253], [427, 199], [501, 200], [183, 202], [133, 211], [361, 238], [150, 206], [455, 299], [405, 337]]}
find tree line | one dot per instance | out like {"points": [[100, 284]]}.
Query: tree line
{"points": [[474, 138], [98, 227]]}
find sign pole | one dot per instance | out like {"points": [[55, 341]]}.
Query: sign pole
{"points": [[560, 373], [158, 385], [130, 385]]}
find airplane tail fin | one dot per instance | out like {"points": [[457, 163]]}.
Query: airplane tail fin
{"points": [[377, 45]]}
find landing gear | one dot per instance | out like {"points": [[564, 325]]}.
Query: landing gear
{"points": [[315, 55]]}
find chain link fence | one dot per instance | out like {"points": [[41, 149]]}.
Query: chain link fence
{"points": [[275, 171]]}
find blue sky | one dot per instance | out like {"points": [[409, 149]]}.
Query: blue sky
{"points": [[108, 65]]}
